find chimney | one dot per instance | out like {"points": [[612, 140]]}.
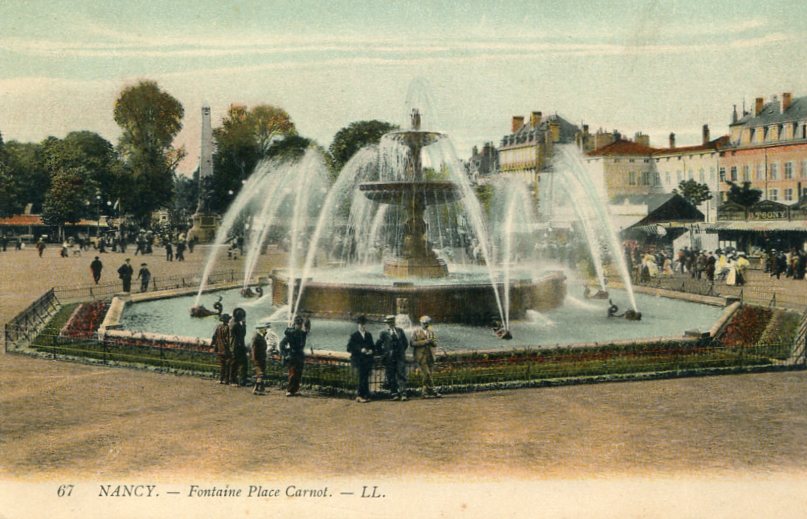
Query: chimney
{"points": [[758, 106], [535, 119], [705, 134], [672, 140], [554, 129], [734, 115], [787, 98], [518, 122], [640, 138]]}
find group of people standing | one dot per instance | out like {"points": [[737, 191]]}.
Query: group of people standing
{"points": [[228, 343], [391, 348], [792, 263]]}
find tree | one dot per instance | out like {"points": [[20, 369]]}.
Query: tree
{"points": [[693, 192], [745, 195], [93, 153], [150, 119], [354, 137], [243, 139], [69, 198], [186, 196], [11, 201]]}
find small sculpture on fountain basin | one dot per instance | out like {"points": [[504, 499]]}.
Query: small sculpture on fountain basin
{"points": [[202, 311]]}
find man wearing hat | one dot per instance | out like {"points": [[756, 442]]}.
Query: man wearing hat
{"points": [[292, 348], [238, 334], [221, 346], [125, 273], [423, 342], [144, 275], [258, 355], [392, 344], [361, 348]]}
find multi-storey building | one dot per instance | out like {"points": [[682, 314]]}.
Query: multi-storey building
{"points": [[526, 152], [700, 163], [768, 148], [627, 167]]}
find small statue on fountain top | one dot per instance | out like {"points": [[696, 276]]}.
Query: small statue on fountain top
{"points": [[415, 116]]}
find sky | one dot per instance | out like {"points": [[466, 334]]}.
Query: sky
{"points": [[650, 66]]}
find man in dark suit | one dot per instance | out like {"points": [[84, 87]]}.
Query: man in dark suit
{"points": [[392, 344], [125, 273], [361, 348], [292, 348]]}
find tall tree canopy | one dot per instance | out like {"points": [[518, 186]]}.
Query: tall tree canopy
{"points": [[745, 195], [693, 192], [150, 119], [244, 138], [354, 137], [72, 195]]}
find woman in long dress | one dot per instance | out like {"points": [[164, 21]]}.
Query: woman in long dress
{"points": [[731, 277]]}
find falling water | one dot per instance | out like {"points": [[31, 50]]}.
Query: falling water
{"points": [[568, 157], [249, 192]]}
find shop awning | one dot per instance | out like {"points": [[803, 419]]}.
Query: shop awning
{"points": [[757, 226]]}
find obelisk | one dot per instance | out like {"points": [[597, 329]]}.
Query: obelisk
{"points": [[205, 223]]}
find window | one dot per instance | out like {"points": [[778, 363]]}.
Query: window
{"points": [[788, 195], [804, 169], [645, 178], [788, 170], [734, 173], [804, 191], [632, 178], [630, 160], [656, 178], [667, 177], [760, 171], [746, 173], [722, 174], [774, 171], [690, 176], [711, 174], [774, 195]]}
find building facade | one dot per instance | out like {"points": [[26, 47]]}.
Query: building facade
{"points": [[768, 148]]}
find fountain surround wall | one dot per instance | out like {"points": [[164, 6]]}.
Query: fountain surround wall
{"points": [[473, 304]]}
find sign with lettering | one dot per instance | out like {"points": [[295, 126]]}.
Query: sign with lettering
{"points": [[731, 211], [768, 210]]}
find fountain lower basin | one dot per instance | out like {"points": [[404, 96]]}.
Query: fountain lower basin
{"points": [[466, 302]]}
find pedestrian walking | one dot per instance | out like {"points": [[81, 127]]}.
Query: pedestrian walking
{"points": [[221, 347], [423, 344], [96, 267], [258, 351], [238, 333], [169, 251], [392, 345], [144, 275], [40, 246], [292, 349], [180, 250], [125, 273], [362, 350]]}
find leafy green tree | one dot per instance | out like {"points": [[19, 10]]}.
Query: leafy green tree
{"points": [[693, 192], [243, 139], [745, 195], [94, 154], [69, 198], [26, 162], [354, 137], [150, 120], [186, 197], [11, 201]]}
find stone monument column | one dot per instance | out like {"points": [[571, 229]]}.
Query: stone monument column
{"points": [[205, 223]]}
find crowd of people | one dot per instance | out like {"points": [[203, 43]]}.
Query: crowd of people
{"points": [[229, 345], [722, 265]]}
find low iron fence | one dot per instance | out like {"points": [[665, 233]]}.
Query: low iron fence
{"points": [[756, 338], [752, 293], [108, 290]]}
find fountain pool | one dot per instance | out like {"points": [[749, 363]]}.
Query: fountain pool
{"points": [[664, 317]]}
